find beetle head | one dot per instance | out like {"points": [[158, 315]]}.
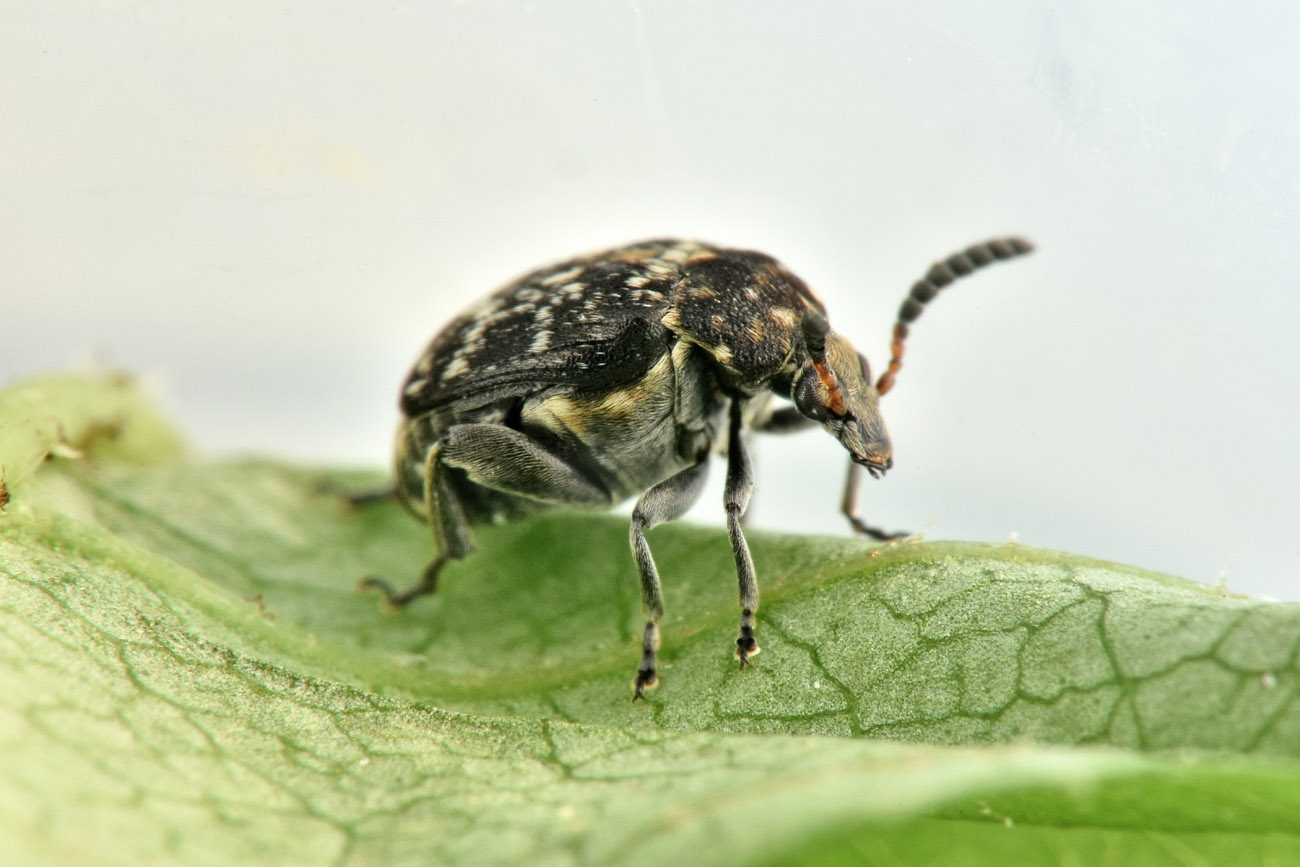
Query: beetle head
{"points": [[833, 388]]}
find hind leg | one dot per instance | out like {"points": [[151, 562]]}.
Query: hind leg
{"points": [[495, 457]]}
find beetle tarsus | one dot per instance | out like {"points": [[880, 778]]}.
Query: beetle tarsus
{"points": [[647, 675], [746, 648], [862, 528], [395, 599], [645, 679], [746, 644]]}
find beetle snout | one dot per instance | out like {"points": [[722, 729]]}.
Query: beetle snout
{"points": [[867, 442], [876, 463]]}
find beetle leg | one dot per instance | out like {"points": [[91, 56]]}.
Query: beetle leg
{"points": [[849, 507], [394, 598], [787, 419], [666, 501], [450, 532], [496, 457], [367, 496], [507, 460], [740, 484]]}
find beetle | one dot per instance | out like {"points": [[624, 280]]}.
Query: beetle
{"points": [[618, 374]]}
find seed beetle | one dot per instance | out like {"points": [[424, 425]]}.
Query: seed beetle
{"points": [[618, 374]]}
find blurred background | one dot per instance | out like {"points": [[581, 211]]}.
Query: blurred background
{"points": [[266, 210]]}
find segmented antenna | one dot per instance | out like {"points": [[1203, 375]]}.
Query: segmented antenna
{"points": [[815, 329], [940, 275]]}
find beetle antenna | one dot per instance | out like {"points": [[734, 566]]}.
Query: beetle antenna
{"points": [[940, 275], [815, 329]]}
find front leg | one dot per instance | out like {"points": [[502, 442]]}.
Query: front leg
{"points": [[666, 501], [496, 457], [787, 419], [740, 484], [790, 420], [849, 508]]}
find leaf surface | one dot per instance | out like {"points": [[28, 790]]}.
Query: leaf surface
{"points": [[190, 676]]}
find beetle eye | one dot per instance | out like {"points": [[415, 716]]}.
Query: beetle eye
{"points": [[866, 368], [808, 398], [807, 401]]}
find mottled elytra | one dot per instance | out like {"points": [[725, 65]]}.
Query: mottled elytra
{"points": [[618, 374]]}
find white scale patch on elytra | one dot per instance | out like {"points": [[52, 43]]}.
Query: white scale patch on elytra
{"points": [[542, 325], [562, 276], [458, 364], [518, 310], [646, 298], [670, 261], [482, 318], [529, 295]]}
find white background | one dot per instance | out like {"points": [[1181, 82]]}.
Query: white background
{"points": [[266, 209]]}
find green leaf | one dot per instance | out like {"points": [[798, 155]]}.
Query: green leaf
{"points": [[189, 676]]}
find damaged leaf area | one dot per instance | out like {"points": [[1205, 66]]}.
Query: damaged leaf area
{"points": [[189, 676]]}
